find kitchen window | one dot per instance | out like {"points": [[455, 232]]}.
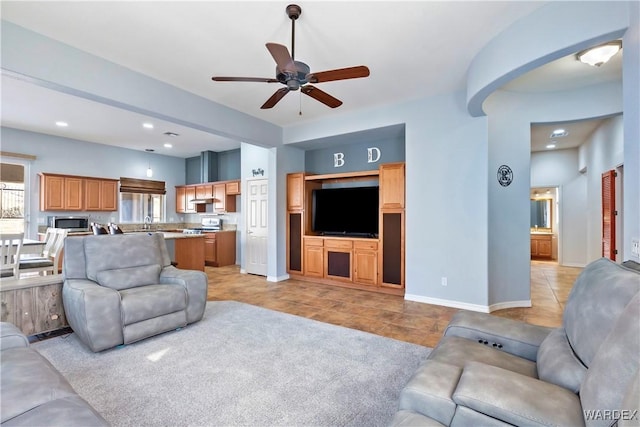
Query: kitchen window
{"points": [[136, 207], [12, 200], [142, 199]]}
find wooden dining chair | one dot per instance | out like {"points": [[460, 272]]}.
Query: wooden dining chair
{"points": [[10, 247], [49, 259]]}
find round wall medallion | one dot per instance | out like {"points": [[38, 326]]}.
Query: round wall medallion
{"points": [[505, 175]]}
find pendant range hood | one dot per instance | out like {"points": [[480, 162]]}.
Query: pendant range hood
{"points": [[208, 172]]}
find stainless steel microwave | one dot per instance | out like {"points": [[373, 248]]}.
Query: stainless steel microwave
{"points": [[75, 223]]}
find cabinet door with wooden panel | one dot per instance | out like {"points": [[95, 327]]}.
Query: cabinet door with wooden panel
{"points": [[210, 249], [204, 191], [109, 195], [365, 262], [61, 193], [73, 193], [100, 194], [92, 192], [220, 197], [295, 191], [392, 178], [189, 195], [313, 257], [233, 188], [181, 201], [52, 196]]}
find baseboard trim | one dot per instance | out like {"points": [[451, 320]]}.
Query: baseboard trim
{"points": [[509, 304], [467, 306], [277, 278], [448, 303], [573, 264]]}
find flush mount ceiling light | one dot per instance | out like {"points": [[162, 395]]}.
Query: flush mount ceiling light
{"points": [[558, 133], [598, 55]]}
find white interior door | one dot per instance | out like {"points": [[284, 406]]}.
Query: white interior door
{"points": [[256, 248]]}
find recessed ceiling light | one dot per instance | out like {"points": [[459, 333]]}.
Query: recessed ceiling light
{"points": [[147, 125], [62, 124], [550, 146], [167, 145], [558, 133]]}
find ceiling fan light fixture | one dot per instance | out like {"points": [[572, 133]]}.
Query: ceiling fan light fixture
{"points": [[293, 84], [598, 55]]}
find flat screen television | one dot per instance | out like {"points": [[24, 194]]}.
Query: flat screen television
{"points": [[349, 211]]}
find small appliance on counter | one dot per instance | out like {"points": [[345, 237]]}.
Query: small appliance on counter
{"points": [[209, 224], [71, 223]]}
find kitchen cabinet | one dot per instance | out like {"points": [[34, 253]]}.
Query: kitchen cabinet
{"points": [[190, 253], [77, 193], [233, 188], [541, 246], [223, 202], [204, 191], [184, 195], [220, 248], [100, 194]]}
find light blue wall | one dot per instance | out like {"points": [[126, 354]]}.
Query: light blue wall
{"points": [[603, 152], [510, 117], [446, 193], [558, 28], [71, 157]]}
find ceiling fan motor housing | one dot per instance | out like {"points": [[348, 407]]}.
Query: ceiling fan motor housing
{"points": [[294, 80]]}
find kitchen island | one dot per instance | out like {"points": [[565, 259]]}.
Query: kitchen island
{"points": [[185, 250]]}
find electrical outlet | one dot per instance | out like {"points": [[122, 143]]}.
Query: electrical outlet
{"points": [[635, 247], [443, 281]]}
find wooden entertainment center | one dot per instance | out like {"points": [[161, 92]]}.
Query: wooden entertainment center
{"points": [[374, 264]]}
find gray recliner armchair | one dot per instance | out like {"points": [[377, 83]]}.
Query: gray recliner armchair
{"points": [[119, 289], [493, 371]]}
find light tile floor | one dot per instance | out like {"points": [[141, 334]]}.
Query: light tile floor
{"points": [[385, 315]]}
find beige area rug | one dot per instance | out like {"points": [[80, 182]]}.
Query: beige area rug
{"points": [[242, 365]]}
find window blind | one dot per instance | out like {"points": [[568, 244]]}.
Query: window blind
{"points": [[146, 186]]}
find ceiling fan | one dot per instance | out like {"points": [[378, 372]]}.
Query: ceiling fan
{"points": [[297, 75]]}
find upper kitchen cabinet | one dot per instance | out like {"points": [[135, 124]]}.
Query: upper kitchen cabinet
{"points": [[222, 194], [101, 194], [77, 193]]}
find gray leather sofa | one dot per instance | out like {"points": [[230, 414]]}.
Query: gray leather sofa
{"points": [[492, 371], [32, 391], [122, 288]]}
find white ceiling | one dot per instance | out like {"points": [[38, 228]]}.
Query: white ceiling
{"points": [[185, 43]]}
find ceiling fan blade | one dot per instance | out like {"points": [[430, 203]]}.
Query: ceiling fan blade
{"points": [[321, 96], [244, 79], [280, 93], [282, 57], [339, 74]]}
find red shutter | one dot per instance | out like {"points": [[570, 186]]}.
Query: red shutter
{"points": [[609, 215]]}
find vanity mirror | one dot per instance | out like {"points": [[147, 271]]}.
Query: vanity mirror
{"points": [[541, 214]]}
